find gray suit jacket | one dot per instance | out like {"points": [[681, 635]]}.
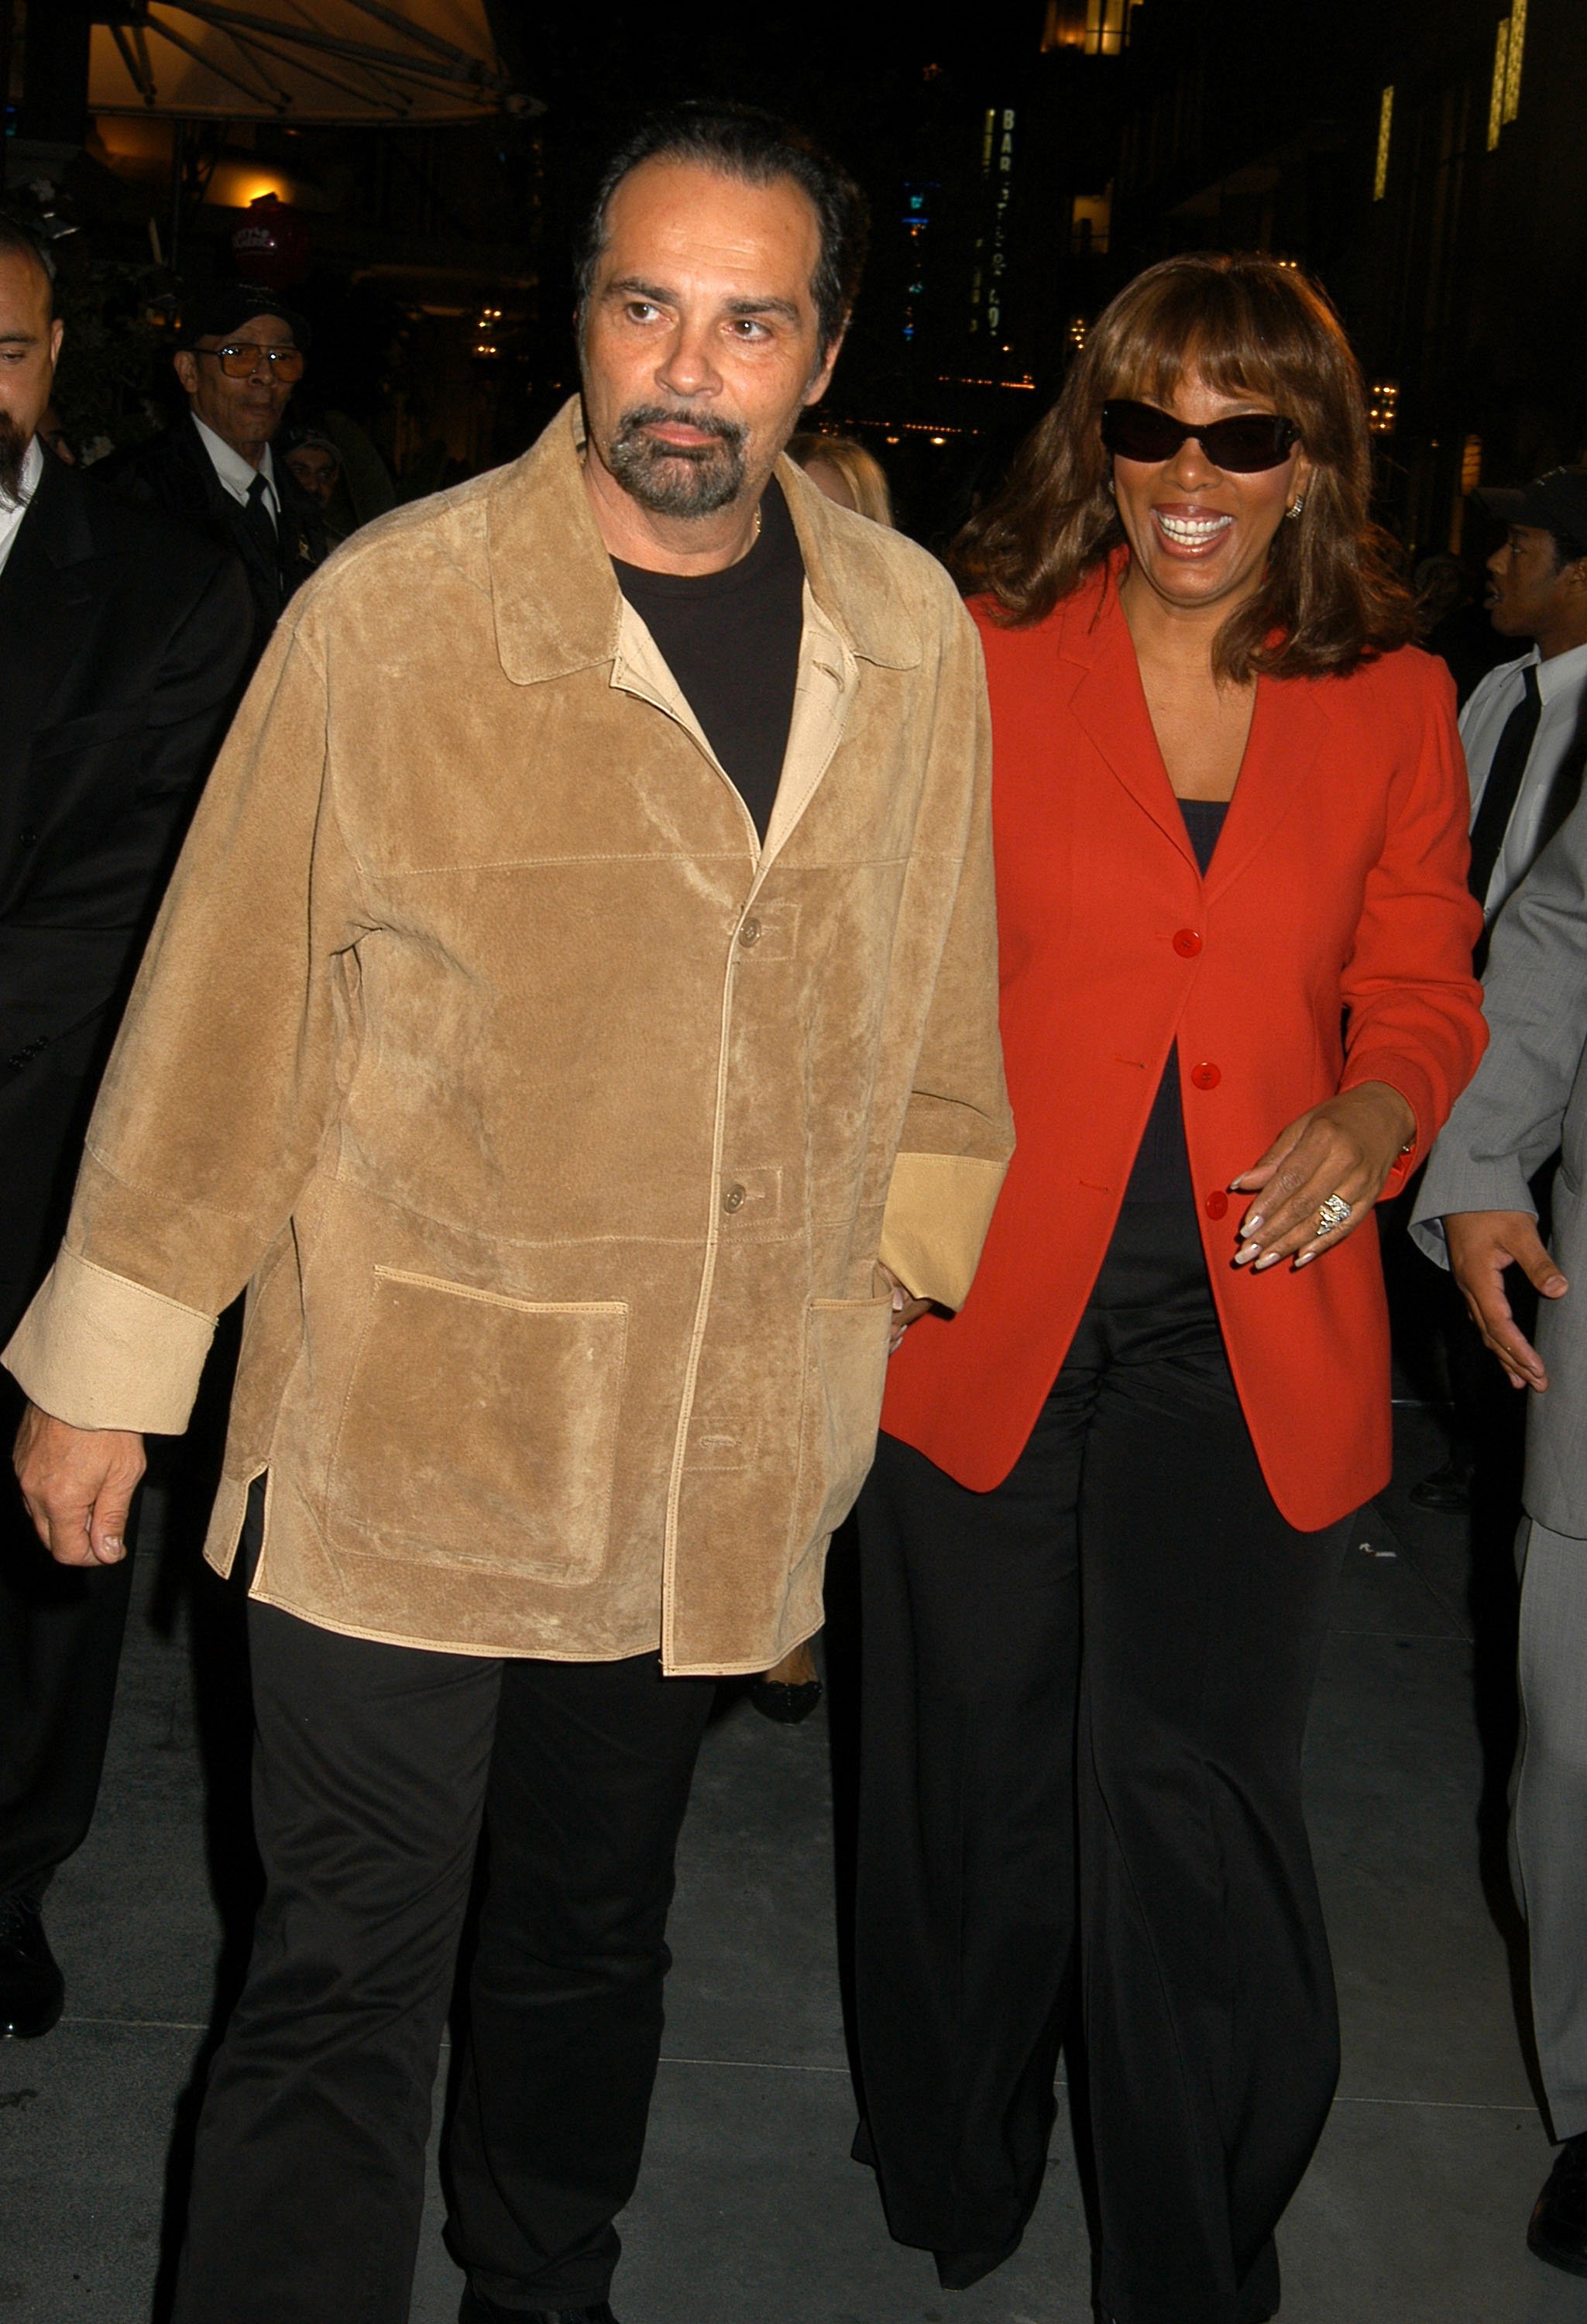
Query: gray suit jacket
{"points": [[1527, 1101]]}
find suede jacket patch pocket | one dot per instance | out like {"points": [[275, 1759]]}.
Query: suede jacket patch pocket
{"points": [[480, 1430], [845, 1372]]}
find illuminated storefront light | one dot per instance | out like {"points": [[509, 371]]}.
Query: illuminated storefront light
{"points": [[1504, 96], [1385, 131], [1382, 406], [1512, 62]]}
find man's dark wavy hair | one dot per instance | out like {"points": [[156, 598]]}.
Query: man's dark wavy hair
{"points": [[738, 141]]}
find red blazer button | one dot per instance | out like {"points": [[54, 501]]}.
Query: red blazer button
{"points": [[1217, 1203], [1206, 1076], [1186, 943]]}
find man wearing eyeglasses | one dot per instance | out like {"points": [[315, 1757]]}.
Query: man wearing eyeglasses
{"points": [[242, 356]]}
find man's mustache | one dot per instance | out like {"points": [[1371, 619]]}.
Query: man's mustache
{"points": [[658, 415]]}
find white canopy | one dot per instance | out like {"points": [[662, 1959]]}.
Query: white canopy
{"points": [[323, 60]]}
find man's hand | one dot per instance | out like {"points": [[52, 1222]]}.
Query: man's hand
{"points": [[905, 1310], [1481, 1245], [79, 1485]]}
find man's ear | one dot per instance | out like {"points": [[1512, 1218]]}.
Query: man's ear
{"points": [[185, 364], [821, 378]]}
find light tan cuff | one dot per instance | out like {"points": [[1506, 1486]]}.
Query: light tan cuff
{"points": [[100, 1351], [938, 1209]]}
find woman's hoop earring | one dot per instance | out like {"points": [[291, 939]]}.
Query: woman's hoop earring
{"points": [[1300, 501]]}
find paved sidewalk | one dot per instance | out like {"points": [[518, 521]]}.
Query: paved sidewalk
{"points": [[749, 2211]]}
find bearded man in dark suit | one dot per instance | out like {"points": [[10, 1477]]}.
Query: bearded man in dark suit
{"points": [[124, 640]]}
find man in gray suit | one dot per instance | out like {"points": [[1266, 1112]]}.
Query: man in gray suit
{"points": [[1527, 1102]]}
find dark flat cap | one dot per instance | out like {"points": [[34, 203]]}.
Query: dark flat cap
{"points": [[225, 307], [1556, 503]]}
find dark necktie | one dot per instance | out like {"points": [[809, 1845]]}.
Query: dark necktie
{"points": [[1503, 786], [262, 525]]}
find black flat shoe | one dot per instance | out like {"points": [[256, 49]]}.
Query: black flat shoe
{"points": [[773, 1698], [33, 1991], [1558, 2229]]}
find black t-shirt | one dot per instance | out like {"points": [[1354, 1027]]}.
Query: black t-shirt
{"points": [[732, 640]]}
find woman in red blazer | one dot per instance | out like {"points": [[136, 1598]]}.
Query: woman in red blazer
{"points": [[1106, 1520]]}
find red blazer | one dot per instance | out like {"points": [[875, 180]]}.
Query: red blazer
{"points": [[1330, 945]]}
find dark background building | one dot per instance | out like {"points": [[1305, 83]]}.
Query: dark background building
{"points": [[1423, 158]]}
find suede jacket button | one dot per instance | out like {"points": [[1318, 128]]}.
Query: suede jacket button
{"points": [[733, 1200], [750, 933]]}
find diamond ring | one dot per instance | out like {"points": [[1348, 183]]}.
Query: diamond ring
{"points": [[1334, 1213]]}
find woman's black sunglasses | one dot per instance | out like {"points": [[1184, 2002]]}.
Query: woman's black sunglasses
{"points": [[1250, 441]]}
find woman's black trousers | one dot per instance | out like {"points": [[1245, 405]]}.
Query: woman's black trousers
{"points": [[1084, 1700]]}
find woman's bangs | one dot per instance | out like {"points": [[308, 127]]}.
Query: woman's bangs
{"points": [[1208, 329]]}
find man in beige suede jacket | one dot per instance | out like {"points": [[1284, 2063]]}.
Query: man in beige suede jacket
{"points": [[580, 1064]]}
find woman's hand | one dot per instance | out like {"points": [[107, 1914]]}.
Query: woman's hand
{"points": [[906, 1309], [1344, 1148]]}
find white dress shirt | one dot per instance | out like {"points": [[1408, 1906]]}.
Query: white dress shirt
{"points": [[11, 512], [235, 473], [1561, 684]]}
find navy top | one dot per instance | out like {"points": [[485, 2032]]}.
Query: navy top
{"points": [[1162, 1166]]}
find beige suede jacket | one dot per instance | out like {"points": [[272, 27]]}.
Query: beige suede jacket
{"points": [[554, 1124]]}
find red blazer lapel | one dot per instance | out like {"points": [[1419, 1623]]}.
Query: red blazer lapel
{"points": [[1109, 703], [1288, 728]]}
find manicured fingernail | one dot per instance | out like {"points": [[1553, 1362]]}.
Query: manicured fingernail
{"points": [[1246, 1253], [897, 1296], [1269, 1258], [1305, 1260], [1253, 1224]]}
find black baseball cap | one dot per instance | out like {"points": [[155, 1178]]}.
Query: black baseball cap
{"points": [[1556, 502], [224, 307]]}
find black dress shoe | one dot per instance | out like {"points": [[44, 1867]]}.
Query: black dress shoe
{"points": [[957, 2271], [33, 1991], [1558, 2229], [478, 2310], [773, 1698], [1447, 1492]]}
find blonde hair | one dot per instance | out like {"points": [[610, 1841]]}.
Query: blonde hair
{"points": [[861, 471], [1330, 597]]}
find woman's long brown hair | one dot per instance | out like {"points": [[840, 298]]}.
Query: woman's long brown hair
{"points": [[1330, 598]]}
